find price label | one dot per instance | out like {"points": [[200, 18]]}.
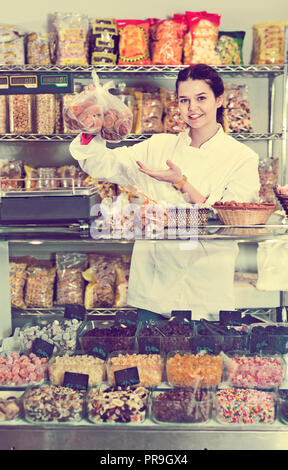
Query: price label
{"points": [[209, 344], [149, 345], [230, 317], [127, 377], [42, 348], [27, 81], [76, 381], [56, 80], [75, 311], [4, 82]]}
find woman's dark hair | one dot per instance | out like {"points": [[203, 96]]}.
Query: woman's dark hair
{"points": [[210, 76]]}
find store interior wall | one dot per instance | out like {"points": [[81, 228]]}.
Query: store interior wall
{"points": [[240, 15]]}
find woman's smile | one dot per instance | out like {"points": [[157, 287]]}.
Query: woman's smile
{"points": [[197, 103]]}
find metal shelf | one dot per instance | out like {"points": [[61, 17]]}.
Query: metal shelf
{"points": [[150, 69], [131, 138]]}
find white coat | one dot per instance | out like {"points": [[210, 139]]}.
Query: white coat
{"points": [[171, 275]]}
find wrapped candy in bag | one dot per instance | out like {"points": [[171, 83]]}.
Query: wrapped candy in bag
{"points": [[97, 111]]}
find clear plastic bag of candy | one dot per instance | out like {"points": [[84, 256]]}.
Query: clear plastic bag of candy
{"points": [[96, 111]]}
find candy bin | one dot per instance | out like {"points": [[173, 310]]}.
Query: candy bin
{"points": [[10, 405], [104, 336], [147, 369], [117, 404], [254, 370], [245, 406], [53, 404], [20, 370], [181, 405], [185, 369], [94, 367]]}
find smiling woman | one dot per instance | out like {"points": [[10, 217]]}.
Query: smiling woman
{"points": [[201, 165]]}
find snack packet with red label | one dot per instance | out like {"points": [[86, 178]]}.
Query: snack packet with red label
{"points": [[201, 40]]}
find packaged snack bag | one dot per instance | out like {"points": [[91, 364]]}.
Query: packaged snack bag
{"points": [[133, 42], [97, 111], [167, 47], [173, 123], [237, 108], [201, 40], [268, 42], [11, 172], [70, 35], [70, 282], [38, 49], [103, 40], [230, 47], [149, 112], [39, 290], [12, 45]]}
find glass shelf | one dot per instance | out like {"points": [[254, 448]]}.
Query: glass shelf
{"points": [[276, 227]]}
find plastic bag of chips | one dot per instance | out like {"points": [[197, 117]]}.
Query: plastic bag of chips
{"points": [[103, 41], [230, 47], [167, 44], [268, 42], [70, 35], [133, 42], [201, 40]]}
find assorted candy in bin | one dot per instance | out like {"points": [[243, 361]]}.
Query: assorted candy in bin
{"points": [[96, 111]]}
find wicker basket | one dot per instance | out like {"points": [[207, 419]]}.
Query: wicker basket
{"points": [[187, 217], [282, 199], [239, 216]]}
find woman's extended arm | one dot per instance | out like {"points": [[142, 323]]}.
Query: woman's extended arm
{"points": [[115, 165]]}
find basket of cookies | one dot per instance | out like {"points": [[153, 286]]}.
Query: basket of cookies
{"points": [[244, 213]]}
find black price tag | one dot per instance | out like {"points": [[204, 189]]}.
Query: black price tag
{"points": [[127, 377], [149, 345], [230, 317], [74, 311], [210, 344], [126, 318], [42, 348], [76, 381], [181, 316]]}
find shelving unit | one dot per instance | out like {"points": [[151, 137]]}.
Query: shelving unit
{"points": [[24, 238]]}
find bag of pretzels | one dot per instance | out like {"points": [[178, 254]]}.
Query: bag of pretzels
{"points": [[97, 111]]}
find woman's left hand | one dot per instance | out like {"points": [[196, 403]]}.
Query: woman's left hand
{"points": [[172, 175]]}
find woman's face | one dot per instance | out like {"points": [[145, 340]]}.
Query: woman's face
{"points": [[197, 103]]}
